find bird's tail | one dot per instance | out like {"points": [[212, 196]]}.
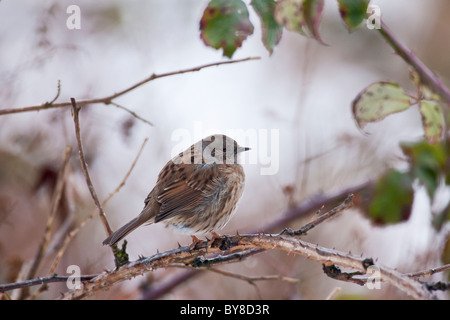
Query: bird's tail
{"points": [[123, 231]]}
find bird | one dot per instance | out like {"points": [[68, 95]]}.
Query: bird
{"points": [[197, 191]]}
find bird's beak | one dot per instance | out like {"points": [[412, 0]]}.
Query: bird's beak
{"points": [[242, 149]]}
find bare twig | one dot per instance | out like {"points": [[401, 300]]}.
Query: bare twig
{"points": [[426, 75], [108, 99], [42, 280], [230, 245], [186, 255], [333, 294], [61, 179], [253, 279], [76, 111], [327, 216], [291, 244], [310, 205], [134, 114], [429, 272], [57, 94], [125, 178], [249, 279], [75, 231]]}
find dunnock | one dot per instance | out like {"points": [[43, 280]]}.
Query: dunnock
{"points": [[197, 191]]}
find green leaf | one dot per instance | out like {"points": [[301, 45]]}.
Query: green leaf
{"points": [[428, 162], [225, 25], [271, 30], [393, 198], [379, 100], [423, 89], [312, 10], [353, 12], [432, 120], [289, 13]]}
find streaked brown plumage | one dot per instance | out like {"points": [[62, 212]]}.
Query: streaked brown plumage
{"points": [[197, 191]]}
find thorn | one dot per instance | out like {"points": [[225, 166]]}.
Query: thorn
{"points": [[195, 242], [179, 245], [237, 232]]}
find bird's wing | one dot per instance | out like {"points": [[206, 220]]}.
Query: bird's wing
{"points": [[195, 184]]}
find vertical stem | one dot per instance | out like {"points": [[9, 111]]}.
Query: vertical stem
{"points": [[76, 120], [426, 75]]}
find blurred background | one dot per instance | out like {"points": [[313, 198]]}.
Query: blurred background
{"points": [[303, 91]]}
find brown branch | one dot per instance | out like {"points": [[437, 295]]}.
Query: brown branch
{"points": [[428, 77], [238, 243], [335, 272], [76, 120], [187, 255], [134, 114], [348, 202], [279, 222], [61, 179], [429, 272], [230, 247], [42, 280], [75, 230], [108, 99], [311, 205]]}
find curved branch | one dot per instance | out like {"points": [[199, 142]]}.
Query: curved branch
{"points": [[187, 256], [108, 99], [233, 248]]}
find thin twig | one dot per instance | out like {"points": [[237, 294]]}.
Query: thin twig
{"points": [[134, 114], [125, 178], [42, 280], [249, 279], [253, 279], [108, 99], [429, 272], [61, 179], [75, 231], [76, 120], [333, 294], [57, 94], [348, 202], [426, 75]]}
